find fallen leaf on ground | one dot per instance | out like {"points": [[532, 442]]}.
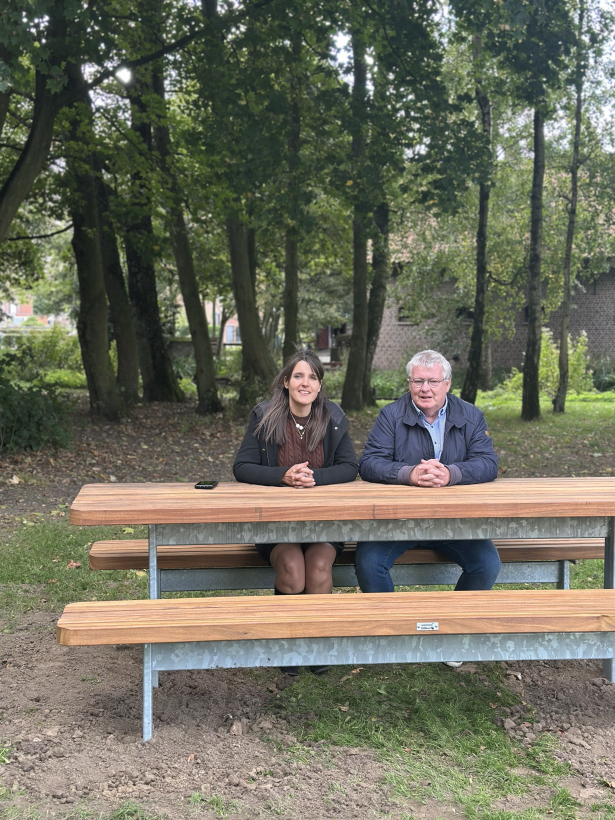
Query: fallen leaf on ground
{"points": [[73, 564], [343, 708]]}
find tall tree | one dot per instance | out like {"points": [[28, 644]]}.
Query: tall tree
{"points": [[559, 402], [40, 40], [257, 364], [92, 324], [208, 401], [159, 380], [473, 373], [352, 393], [120, 309]]}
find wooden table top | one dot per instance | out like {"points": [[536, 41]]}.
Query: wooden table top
{"points": [[248, 503]]}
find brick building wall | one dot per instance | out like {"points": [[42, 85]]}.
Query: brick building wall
{"points": [[593, 310]]}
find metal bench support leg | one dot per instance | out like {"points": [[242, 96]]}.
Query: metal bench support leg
{"points": [[609, 583], [563, 581], [147, 692], [154, 577]]}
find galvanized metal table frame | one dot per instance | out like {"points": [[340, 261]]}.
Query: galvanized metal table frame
{"points": [[365, 650]]}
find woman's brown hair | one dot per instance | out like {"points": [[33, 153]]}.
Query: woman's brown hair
{"points": [[273, 423]]}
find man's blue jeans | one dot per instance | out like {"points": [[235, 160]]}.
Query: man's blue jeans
{"points": [[478, 559]]}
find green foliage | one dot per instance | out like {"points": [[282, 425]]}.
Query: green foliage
{"points": [[580, 375], [333, 382], [5, 752], [31, 417], [65, 379], [390, 384], [33, 321], [188, 388], [26, 357], [229, 365], [603, 372]]}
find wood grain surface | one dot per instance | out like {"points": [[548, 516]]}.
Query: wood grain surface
{"points": [[133, 553], [359, 500], [314, 616]]}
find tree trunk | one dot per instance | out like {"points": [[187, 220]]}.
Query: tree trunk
{"points": [[486, 370], [352, 392], [559, 402], [223, 320], [291, 294], [92, 324], [377, 295], [5, 96], [47, 105], [159, 381], [530, 407], [208, 401], [119, 303], [291, 258], [33, 156], [257, 364], [475, 353]]}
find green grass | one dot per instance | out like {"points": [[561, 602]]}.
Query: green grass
{"points": [[433, 729], [34, 573]]}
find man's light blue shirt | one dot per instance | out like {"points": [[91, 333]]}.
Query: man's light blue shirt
{"points": [[435, 430]]}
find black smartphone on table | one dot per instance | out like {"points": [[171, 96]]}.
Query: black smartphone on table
{"points": [[205, 485]]}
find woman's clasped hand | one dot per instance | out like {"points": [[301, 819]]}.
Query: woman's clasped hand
{"points": [[299, 475]]}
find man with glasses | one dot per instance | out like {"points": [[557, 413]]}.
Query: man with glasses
{"points": [[429, 439]]}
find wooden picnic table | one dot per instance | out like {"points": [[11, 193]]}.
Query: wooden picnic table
{"points": [[178, 514], [231, 502], [233, 513]]}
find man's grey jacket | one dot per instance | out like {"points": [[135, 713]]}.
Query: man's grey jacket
{"points": [[398, 439]]}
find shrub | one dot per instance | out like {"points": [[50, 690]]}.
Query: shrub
{"points": [[579, 372], [26, 358], [390, 384], [31, 417], [65, 380], [229, 365], [604, 374]]}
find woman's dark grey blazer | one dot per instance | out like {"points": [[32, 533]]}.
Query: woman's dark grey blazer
{"points": [[256, 461]]}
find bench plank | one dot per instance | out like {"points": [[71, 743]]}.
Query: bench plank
{"points": [[314, 616], [133, 554], [241, 503]]}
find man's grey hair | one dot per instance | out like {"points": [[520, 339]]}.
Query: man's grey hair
{"points": [[428, 359]]}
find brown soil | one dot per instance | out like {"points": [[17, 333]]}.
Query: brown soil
{"points": [[73, 715]]}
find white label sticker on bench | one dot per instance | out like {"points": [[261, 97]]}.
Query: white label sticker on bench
{"points": [[428, 626]]}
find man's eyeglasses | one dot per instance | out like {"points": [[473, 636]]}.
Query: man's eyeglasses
{"points": [[433, 383]]}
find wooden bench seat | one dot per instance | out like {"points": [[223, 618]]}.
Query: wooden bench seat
{"points": [[132, 554], [404, 627], [244, 618]]}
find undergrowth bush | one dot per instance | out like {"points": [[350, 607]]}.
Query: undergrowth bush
{"points": [[31, 417], [604, 373], [580, 374], [27, 358]]}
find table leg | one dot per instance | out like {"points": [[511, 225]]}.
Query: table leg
{"points": [[154, 576], [147, 692], [563, 570], [609, 583]]}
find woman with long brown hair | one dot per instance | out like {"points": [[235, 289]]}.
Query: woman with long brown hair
{"points": [[299, 439]]}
